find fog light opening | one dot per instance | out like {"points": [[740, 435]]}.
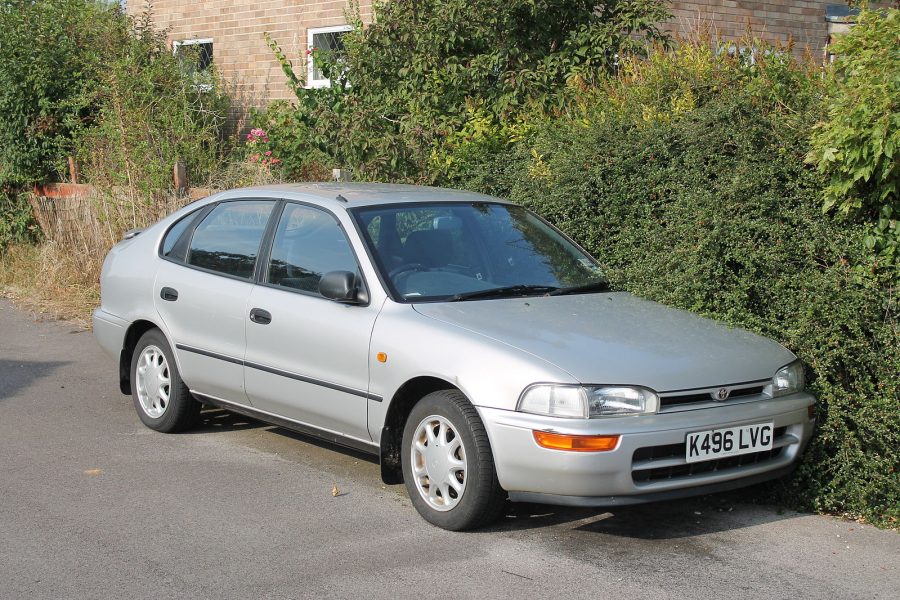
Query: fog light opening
{"points": [[576, 443]]}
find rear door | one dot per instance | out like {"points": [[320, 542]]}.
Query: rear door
{"points": [[309, 359], [202, 292]]}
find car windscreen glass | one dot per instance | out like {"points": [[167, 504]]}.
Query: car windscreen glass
{"points": [[461, 251]]}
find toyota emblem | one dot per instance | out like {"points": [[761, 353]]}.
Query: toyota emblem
{"points": [[722, 394]]}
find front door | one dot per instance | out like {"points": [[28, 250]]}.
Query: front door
{"points": [[307, 359]]}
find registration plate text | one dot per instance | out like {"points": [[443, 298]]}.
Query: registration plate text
{"points": [[732, 441]]}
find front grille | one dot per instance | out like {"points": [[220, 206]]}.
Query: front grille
{"points": [[644, 471], [666, 401]]}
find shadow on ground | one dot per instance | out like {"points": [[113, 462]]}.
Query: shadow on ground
{"points": [[18, 374], [665, 520], [313, 441], [216, 420]]}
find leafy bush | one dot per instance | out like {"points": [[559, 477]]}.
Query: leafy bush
{"points": [[78, 76], [17, 224], [150, 113], [858, 146], [685, 176], [292, 141], [48, 56], [422, 63]]}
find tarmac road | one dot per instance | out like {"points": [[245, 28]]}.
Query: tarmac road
{"points": [[94, 505]]}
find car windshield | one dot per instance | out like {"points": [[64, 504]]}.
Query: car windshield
{"points": [[460, 251]]}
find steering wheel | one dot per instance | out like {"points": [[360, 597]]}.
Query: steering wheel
{"points": [[406, 267]]}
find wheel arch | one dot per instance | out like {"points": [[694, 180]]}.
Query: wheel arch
{"points": [[134, 333], [402, 402]]}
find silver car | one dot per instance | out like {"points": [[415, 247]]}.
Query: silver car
{"points": [[475, 349]]}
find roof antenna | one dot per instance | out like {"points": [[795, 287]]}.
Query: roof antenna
{"points": [[340, 198]]}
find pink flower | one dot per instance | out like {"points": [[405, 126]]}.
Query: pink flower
{"points": [[268, 153], [249, 136], [254, 157]]}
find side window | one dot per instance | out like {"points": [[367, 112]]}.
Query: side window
{"points": [[324, 43], [175, 245], [227, 240], [196, 60], [308, 243]]}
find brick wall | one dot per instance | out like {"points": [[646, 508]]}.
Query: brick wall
{"points": [[802, 21], [236, 28]]}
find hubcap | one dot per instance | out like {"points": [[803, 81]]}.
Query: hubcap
{"points": [[153, 381], [438, 463]]}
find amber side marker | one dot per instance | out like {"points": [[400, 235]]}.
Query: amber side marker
{"points": [[576, 443], [381, 356]]}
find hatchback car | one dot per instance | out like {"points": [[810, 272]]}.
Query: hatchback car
{"points": [[471, 346]]}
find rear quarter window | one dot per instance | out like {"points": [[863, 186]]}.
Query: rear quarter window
{"points": [[175, 243]]}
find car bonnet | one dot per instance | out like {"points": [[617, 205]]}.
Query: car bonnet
{"points": [[618, 338]]}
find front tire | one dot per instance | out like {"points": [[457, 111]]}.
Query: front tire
{"points": [[161, 398], [448, 466]]}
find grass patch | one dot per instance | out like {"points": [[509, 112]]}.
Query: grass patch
{"points": [[44, 279]]}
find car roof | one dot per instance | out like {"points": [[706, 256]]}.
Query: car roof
{"points": [[360, 194]]}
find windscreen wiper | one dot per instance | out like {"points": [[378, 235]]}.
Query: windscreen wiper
{"points": [[597, 286], [509, 290]]}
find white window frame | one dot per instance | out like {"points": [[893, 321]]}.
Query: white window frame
{"points": [[310, 32], [176, 44]]}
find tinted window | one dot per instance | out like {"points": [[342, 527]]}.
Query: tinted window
{"points": [[308, 243], [435, 251], [227, 240], [170, 246]]}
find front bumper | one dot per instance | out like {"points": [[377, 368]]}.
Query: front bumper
{"points": [[632, 473]]}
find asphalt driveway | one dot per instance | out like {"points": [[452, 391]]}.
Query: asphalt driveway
{"points": [[94, 505]]}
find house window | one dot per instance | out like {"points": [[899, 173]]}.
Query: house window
{"points": [[323, 40], [196, 57]]}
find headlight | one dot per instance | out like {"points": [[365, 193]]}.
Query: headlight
{"points": [[615, 401], [585, 402], [788, 380]]}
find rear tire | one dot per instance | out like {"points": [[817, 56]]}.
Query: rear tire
{"points": [[161, 398], [448, 466]]}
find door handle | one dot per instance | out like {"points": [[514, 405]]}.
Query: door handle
{"points": [[168, 294], [260, 316]]}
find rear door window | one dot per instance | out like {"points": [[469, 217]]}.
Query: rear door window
{"points": [[227, 241]]}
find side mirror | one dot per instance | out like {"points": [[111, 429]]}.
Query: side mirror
{"points": [[341, 286]]}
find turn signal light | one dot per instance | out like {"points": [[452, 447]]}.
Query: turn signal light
{"points": [[576, 443]]}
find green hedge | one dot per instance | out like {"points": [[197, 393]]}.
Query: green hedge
{"points": [[16, 220], [686, 179]]}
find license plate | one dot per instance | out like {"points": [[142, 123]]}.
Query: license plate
{"points": [[732, 441]]}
